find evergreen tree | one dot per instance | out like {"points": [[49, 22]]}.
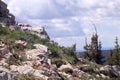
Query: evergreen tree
{"points": [[94, 47], [74, 47], [99, 57], [86, 52], [110, 58], [116, 53], [93, 51]]}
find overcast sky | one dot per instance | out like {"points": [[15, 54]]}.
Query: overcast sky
{"points": [[69, 21]]}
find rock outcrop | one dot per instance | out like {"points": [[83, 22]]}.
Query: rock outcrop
{"points": [[39, 30], [6, 18]]}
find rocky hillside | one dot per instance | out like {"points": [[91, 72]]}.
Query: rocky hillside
{"points": [[24, 55]]}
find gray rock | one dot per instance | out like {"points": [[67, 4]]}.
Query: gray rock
{"points": [[7, 75], [5, 16], [38, 73], [67, 66], [113, 71], [22, 69]]}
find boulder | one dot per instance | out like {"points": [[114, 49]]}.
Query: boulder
{"points": [[70, 77], [82, 73], [53, 67], [104, 76], [23, 43], [67, 66], [38, 73], [32, 54], [25, 69], [113, 71], [25, 27], [116, 68], [22, 69], [3, 62], [40, 31], [85, 68], [49, 61], [30, 63], [14, 68], [82, 60], [7, 75], [41, 48]]}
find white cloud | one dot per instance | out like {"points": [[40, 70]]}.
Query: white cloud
{"points": [[69, 41], [64, 18]]}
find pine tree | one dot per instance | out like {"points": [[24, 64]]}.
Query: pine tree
{"points": [[74, 47], [99, 57], [93, 51], [110, 58], [116, 53], [94, 47], [86, 52]]}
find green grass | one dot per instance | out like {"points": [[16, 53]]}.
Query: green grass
{"points": [[62, 54], [9, 37], [26, 77]]}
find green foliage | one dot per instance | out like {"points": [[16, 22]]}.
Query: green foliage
{"points": [[17, 58], [19, 47], [23, 57], [70, 55], [104, 72], [4, 31], [114, 55], [56, 51], [93, 51], [9, 36], [57, 61], [14, 60], [110, 59], [67, 70], [62, 54]]}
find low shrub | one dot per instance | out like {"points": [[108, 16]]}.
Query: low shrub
{"points": [[58, 62], [26, 76]]}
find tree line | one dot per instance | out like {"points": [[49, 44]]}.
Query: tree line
{"points": [[93, 51]]}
